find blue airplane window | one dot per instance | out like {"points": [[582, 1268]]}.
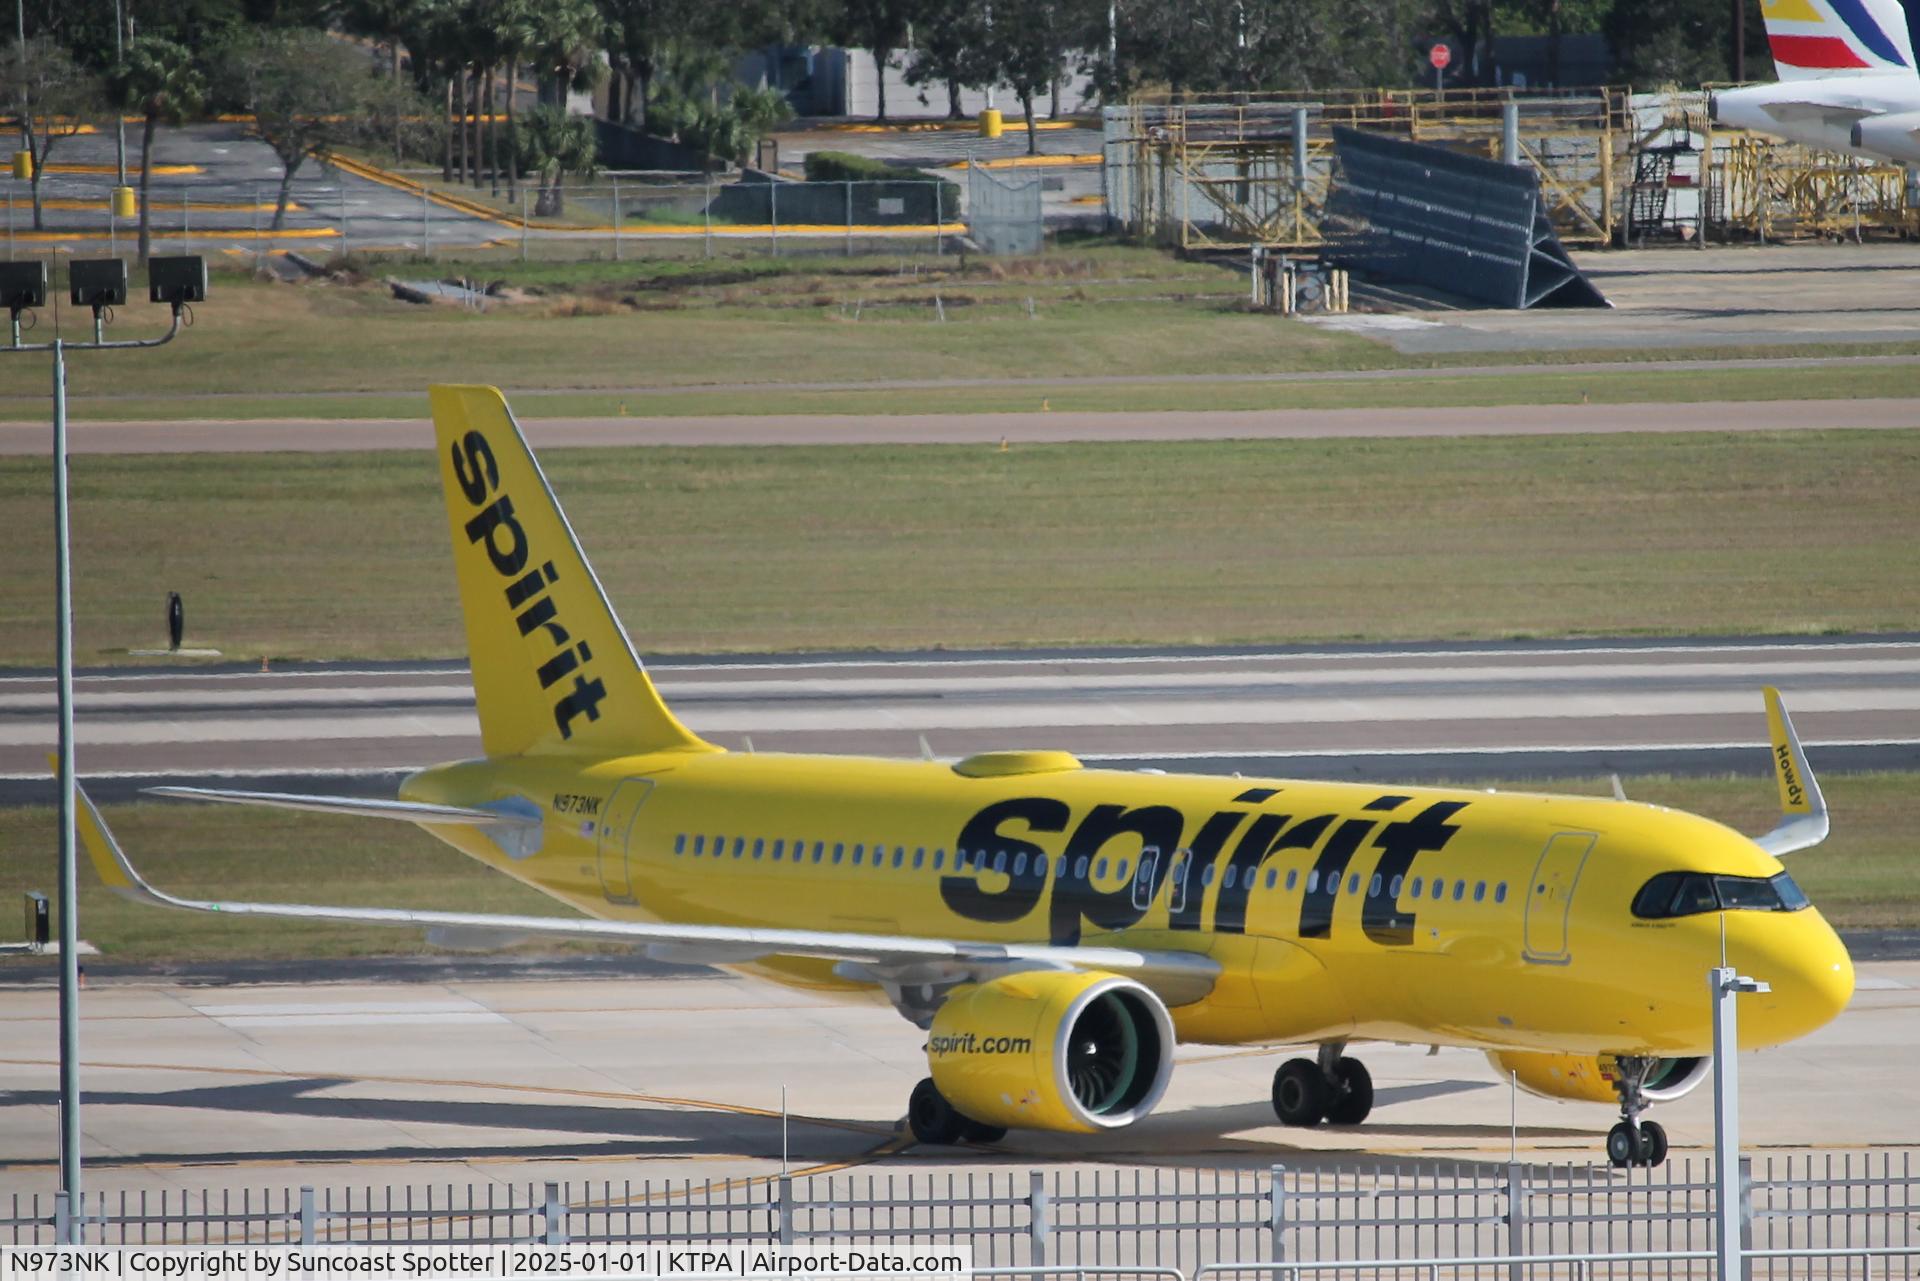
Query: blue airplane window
{"points": [[1020, 863], [1393, 890], [839, 851], [1121, 871], [779, 848], [759, 846], [919, 857], [739, 846], [1459, 890], [1419, 883], [939, 859], [1100, 870], [1333, 887], [1480, 891], [1353, 883], [1273, 874], [1080, 868], [1000, 861], [1226, 882], [719, 847], [1313, 881], [680, 843], [819, 850], [699, 846], [1040, 865], [1373, 886], [859, 852], [1293, 877], [899, 855], [1439, 888], [1500, 892], [1206, 875]]}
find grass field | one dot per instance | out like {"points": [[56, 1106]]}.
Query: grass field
{"points": [[261, 349], [1861, 879], [342, 555]]}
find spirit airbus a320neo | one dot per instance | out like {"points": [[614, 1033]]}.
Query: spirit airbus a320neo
{"points": [[1056, 929]]}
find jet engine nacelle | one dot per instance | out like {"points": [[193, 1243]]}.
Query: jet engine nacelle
{"points": [[1052, 1050], [1589, 1078], [1896, 136]]}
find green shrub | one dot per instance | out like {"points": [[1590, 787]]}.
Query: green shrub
{"points": [[842, 166]]}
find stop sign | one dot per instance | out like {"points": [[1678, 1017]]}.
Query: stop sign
{"points": [[1440, 55]]}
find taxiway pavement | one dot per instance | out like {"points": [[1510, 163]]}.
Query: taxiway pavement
{"points": [[1512, 710], [680, 1077]]}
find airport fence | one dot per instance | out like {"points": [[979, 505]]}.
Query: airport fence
{"points": [[610, 218], [1795, 1206]]}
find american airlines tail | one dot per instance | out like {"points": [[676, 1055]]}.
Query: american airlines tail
{"points": [[1811, 39], [1847, 79]]}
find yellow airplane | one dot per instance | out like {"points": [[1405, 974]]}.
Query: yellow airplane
{"points": [[1056, 929]]}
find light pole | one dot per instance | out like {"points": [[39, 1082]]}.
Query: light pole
{"points": [[95, 283], [1726, 984], [119, 114]]}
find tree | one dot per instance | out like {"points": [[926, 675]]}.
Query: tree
{"points": [[950, 48], [882, 27], [724, 131], [641, 37], [1027, 46], [306, 92], [59, 99], [160, 81], [1677, 41], [551, 145]]}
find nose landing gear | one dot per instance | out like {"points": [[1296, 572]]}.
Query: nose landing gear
{"points": [[1335, 1089], [1633, 1141]]}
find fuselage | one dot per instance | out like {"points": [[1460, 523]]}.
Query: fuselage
{"points": [[1823, 112], [1434, 916]]}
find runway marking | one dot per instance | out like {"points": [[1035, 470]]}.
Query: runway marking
{"points": [[931, 660]]}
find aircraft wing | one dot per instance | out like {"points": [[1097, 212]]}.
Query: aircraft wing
{"points": [[1803, 822], [498, 815], [1823, 114], [896, 963]]}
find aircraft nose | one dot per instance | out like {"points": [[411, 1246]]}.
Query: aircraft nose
{"points": [[1806, 966]]}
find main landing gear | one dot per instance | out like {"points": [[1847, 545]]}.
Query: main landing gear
{"points": [[934, 1120], [1633, 1141], [1334, 1089]]}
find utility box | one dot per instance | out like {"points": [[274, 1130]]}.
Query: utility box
{"points": [[39, 921]]}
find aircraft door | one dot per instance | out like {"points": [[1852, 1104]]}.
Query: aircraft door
{"points": [[1550, 896], [616, 822]]}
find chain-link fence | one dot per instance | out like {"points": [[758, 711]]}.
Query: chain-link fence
{"points": [[393, 216], [1004, 214]]}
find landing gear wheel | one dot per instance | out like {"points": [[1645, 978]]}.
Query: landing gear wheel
{"points": [[1301, 1095], [1624, 1146], [980, 1132], [1653, 1143], [1353, 1098], [931, 1118]]}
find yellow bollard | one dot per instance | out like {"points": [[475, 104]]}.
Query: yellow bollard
{"points": [[990, 123], [23, 165], [124, 204]]}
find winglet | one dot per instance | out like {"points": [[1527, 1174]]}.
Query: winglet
{"points": [[109, 860], [1804, 809]]}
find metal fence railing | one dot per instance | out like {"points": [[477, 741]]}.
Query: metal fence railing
{"points": [[1004, 213], [1802, 1214], [333, 213]]}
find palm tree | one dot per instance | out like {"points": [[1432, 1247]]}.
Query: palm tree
{"points": [[160, 80]]}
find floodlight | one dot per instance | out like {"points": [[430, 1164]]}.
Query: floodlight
{"points": [[177, 280], [23, 285], [97, 282]]}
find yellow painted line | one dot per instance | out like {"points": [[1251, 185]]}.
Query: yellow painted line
{"points": [[373, 173], [170, 170], [943, 126], [168, 204], [169, 233], [1029, 162]]}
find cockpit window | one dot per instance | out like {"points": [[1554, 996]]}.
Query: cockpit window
{"points": [[1673, 894]]}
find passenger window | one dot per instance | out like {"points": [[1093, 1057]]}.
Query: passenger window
{"points": [[1121, 871], [1500, 892], [839, 851], [1040, 865], [1293, 878], [1020, 863], [680, 843], [1419, 883], [859, 851], [1313, 881], [1459, 890], [1393, 890], [759, 846], [779, 848], [1206, 875], [1273, 875], [939, 858], [1000, 861], [1373, 886], [919, 857], [1080, 868], [1439, 888], [819, 850], [699, 846], [1479, 891], [739, 846], [1353, 883], [1226, 882], [1100, 870], [899, 856]]}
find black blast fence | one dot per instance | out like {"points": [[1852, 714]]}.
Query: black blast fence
{"points": [[1424, 215]]}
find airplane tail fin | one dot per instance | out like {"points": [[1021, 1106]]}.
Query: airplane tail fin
{"points": [[1837, 37], [553, 669]]}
